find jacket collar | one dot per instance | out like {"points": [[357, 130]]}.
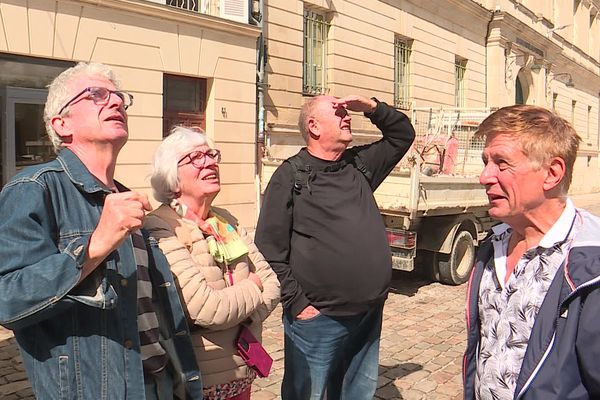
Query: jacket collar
{"points": [[582, 268], [80, 175], [558, 232]]}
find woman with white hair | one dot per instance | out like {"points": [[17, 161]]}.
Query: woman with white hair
{"points": [[223, 279]]}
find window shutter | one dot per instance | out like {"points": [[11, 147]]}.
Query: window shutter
{"points": [[235, 10]]}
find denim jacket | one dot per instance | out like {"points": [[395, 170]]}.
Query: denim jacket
{"points": [[80, 341]]}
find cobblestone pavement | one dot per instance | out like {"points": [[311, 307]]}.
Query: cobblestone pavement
{"points": [[13, 379], [422, 342], [423, 339], [421, 346]]}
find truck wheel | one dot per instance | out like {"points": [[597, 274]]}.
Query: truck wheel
{"points": [[455, 268], [428, 265]]}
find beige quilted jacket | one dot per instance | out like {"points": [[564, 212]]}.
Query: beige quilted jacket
{"points": [[215, 307]]}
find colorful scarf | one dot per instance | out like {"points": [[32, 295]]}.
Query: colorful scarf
{"points": [[224, 243]]}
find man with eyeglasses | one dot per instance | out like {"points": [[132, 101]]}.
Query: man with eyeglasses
{"points": [[90, 298]]}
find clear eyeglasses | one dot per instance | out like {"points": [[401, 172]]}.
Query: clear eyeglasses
{"points": [[101, 96], [198, 158]]}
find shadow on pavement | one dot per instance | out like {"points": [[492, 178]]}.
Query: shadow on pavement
{"points": [[407, 283], [394, 372]]}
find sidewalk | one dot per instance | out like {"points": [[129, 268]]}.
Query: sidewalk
{"points": [[421, 346], [589, 202]]}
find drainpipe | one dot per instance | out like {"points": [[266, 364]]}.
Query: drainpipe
{"points": [[257, 18], [487, 38]]}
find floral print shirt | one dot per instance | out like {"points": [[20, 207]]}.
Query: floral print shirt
{"points": [[229, 390], [507, 311]]}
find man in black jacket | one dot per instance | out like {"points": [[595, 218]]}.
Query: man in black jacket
{"points": [[321, 231]]}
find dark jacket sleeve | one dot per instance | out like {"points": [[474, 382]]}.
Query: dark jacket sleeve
{"points": [[382, 156], [485, 253], [588, 347], [273, 236]]}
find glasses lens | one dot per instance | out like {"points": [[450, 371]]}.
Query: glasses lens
{"points": [[197, 158], [99, 94], [121, 96], [214, 154]]}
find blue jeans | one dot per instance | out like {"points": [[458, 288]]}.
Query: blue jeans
{"points": [[336, 357]]}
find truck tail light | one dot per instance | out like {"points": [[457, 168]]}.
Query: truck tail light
{"points": [[401, 238]]}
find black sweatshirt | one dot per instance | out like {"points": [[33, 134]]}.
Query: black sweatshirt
{"points": [[327, 243]]}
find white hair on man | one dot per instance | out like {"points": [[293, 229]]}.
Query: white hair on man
{"points": [[59, 94]]}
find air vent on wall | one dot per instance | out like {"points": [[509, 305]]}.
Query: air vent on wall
{"points": [[235, 10]]}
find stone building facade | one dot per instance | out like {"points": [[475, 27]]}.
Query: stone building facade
{"points": [[194, 66], [415, 54], [211, 63]]}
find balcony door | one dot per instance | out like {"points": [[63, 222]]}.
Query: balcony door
{"points": [[23, 136]]}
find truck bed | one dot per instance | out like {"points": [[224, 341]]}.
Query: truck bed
{"points": [[430, 195]]}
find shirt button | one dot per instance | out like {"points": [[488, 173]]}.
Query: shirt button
{"points": [[128, 344], [124, 282]]}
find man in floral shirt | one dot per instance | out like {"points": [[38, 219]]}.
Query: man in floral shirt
{"points": [[534, 297]]}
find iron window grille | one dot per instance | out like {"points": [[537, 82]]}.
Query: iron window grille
{"points": [[315, 53], [460, 69], [402, 51]]}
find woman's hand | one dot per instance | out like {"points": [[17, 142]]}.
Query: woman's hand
{"points": [[254, 278]]}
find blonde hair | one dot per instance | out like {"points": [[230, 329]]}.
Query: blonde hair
{"points": [[543, 135]]}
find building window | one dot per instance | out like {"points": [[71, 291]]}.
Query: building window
{"points": [[460, 68], [593, 32], [190, 5], [554, 101], [315, 53], [184, 102], [519, 98], [402, 50], [573, 107], [23, 93]]}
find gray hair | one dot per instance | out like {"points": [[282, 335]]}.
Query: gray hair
{"points": [[306, 112], [164, 178], [59, 94]]}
